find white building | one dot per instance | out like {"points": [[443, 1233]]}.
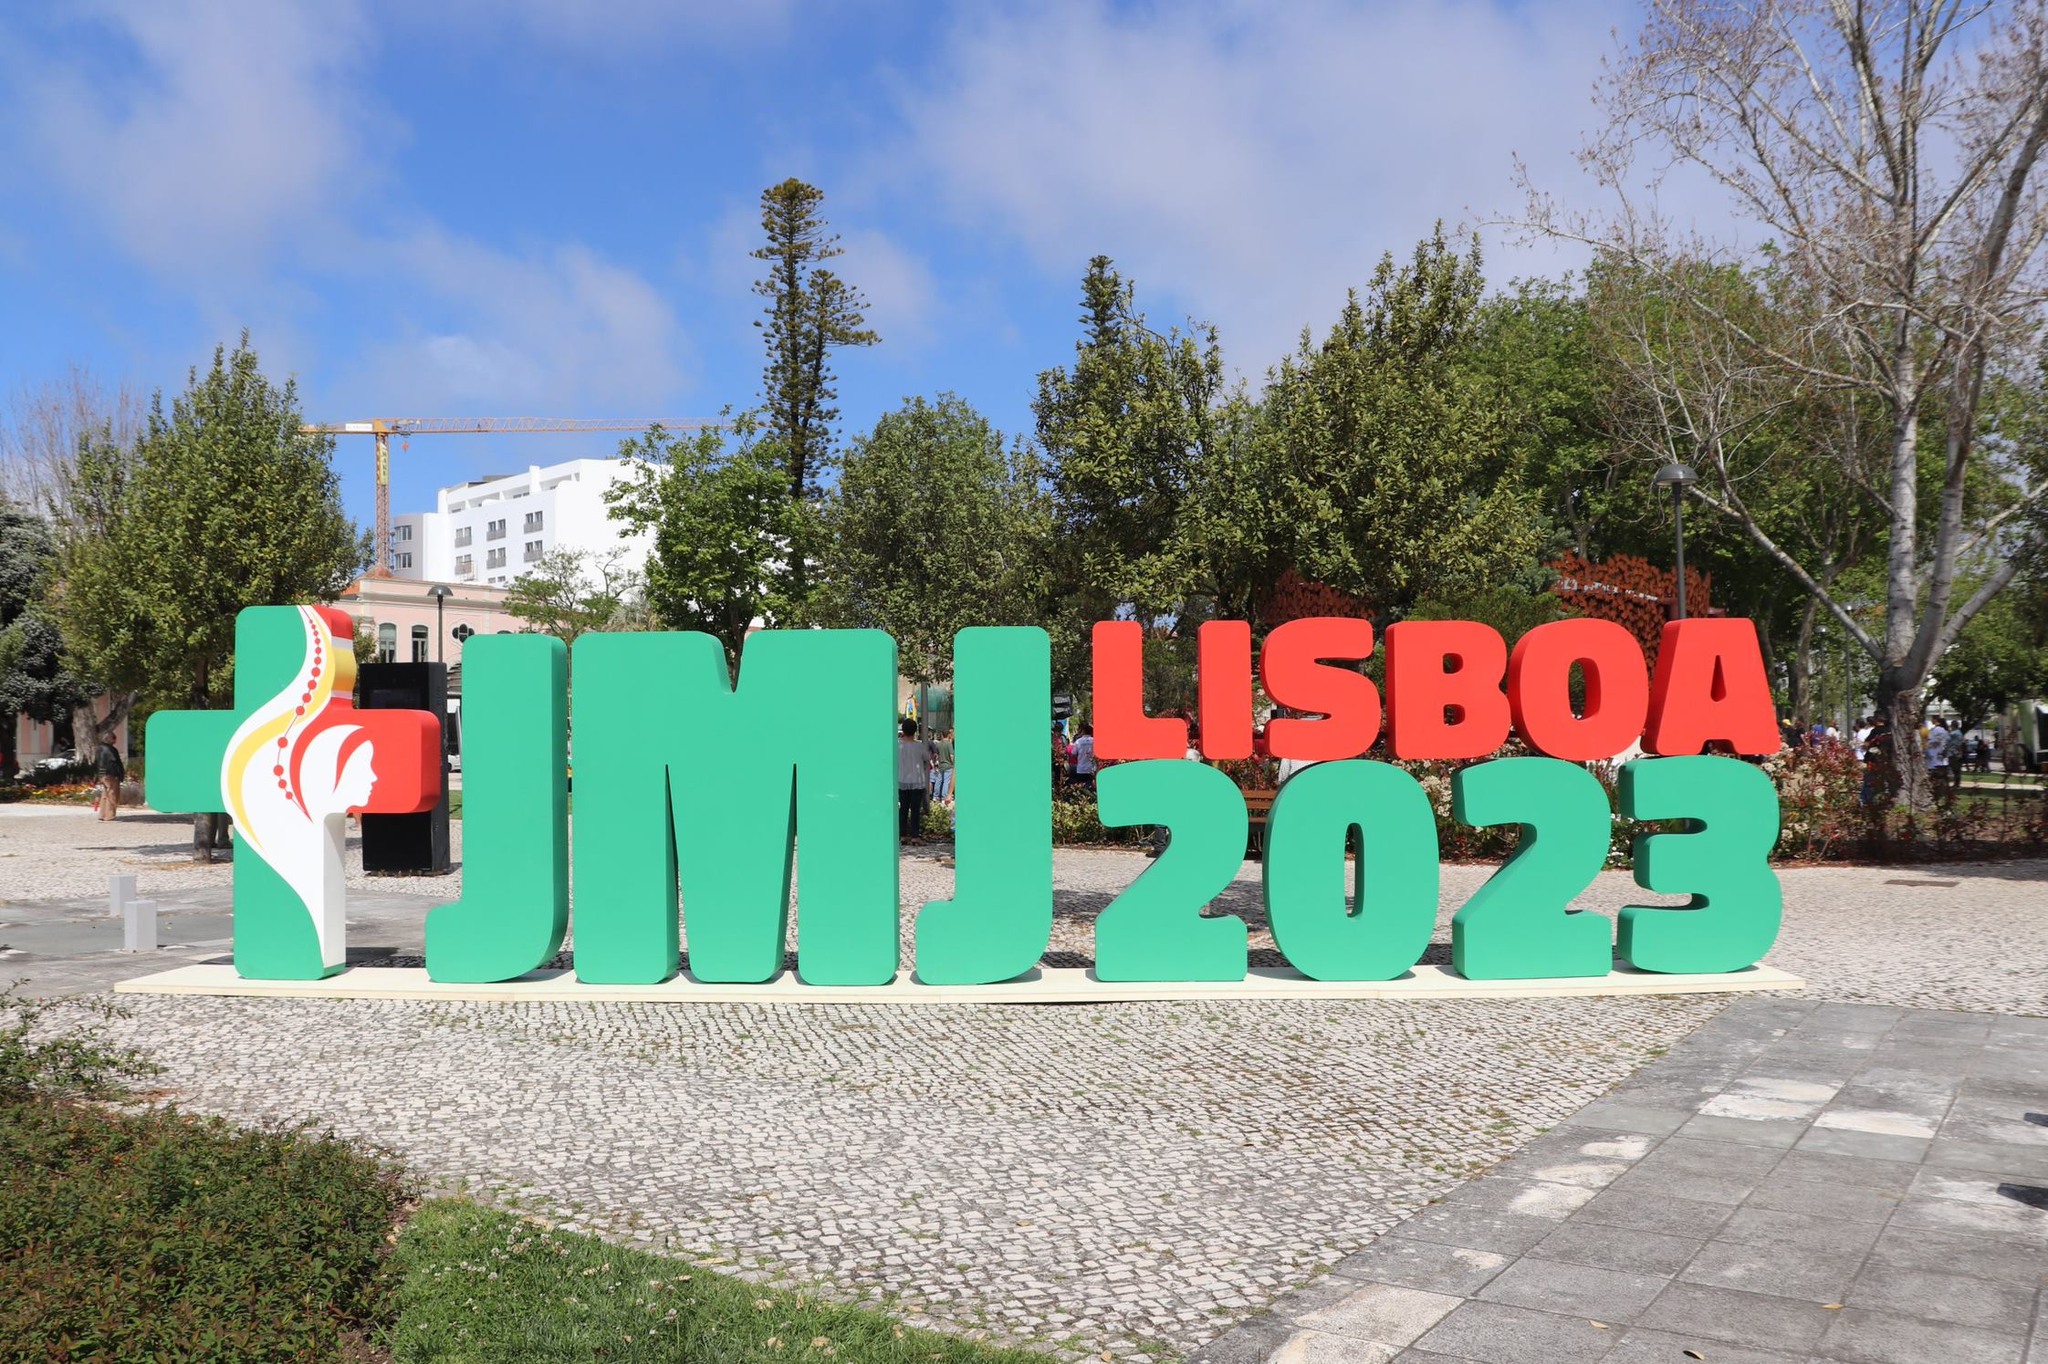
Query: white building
{"points": [[491, 530]]}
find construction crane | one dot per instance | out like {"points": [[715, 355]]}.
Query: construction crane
{"points": [[384, 428]]}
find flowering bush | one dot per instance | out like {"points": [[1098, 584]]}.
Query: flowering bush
{"points": [[61, 793]]}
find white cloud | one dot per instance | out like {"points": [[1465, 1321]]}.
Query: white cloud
{"points": [[1254, 160], [233, 162], [897, 284], [244, 123], [560, 329]]}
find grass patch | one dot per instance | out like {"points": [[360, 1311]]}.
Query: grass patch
{"points": [[482, 1285]]}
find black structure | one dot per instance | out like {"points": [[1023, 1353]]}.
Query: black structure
{"points": [[407, 843]]}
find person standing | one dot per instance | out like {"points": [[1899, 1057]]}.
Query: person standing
{"points": [[913, 783], [1060, 756], [1937, 758], [1084, 758], [942, 768], [1877, 762], [108, 765]]}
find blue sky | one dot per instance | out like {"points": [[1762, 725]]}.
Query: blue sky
{"points": [[544, 207]]}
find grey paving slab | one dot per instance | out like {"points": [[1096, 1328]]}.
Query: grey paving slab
{"points": [[1932, 1296], [1850, 1202], [1610, 1247], [1497, 1333], [1661, 1347], [1779, 1269], [1585, 1290], [1731, 1251], [1427, 1265], [1738, 1318], [1886, 1176], [1893, 1338], [1776, 1227], [2018, 1262], [1649, 1209]]}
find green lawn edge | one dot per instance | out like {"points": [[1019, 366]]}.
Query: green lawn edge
{"points": [[477, 1283]]}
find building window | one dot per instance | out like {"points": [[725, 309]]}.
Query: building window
{"points": [[461, 536], [533, 551], [532, 522], [494, 559], [419, 643], [496, 530], [387, 644], [405, 532], [405, 560], [465, 564]]}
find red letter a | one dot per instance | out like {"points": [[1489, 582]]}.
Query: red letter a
{"points": [[1710, 685]]}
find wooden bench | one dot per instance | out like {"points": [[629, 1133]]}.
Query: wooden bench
{"points": [[1258, 807]]}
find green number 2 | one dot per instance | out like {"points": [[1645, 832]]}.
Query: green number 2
{"points": [[1156, 930], [1517, 927], [1722, 860]]}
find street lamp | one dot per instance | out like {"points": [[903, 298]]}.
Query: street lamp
{"points": [[1677, 477], [440, 593]]}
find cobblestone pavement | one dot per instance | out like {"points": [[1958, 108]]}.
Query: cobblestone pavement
{"points": [[1797, 1183], [1133, 1178]]}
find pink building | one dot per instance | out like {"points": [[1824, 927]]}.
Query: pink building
{"points": [[402, 616]]}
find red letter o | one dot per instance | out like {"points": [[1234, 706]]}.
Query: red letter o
{"points": [[1617, 689]]}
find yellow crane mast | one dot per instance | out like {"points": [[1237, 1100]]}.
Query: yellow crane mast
{"points": [[384, 428]]}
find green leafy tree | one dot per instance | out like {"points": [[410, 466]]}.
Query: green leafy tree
{"points": [[222, 503], [1394, 470], [811, 312], [719, 507], [33, 677], [933, 528], [1999, 659], [570, 592], [1125, 430]]}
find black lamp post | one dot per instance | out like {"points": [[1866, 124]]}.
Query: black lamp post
{"points": [[440, 593], [1677, 477]]}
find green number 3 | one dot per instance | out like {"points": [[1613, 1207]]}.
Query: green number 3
{"points": [[1722, 860]]}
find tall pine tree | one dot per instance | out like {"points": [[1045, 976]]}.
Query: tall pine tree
{"points": [[811, 312]]}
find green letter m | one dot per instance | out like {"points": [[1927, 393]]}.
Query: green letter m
{"points": [[671, 758]]}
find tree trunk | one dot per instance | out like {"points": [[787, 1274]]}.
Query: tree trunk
{"points": [[1799, 672], [1903, 704]]}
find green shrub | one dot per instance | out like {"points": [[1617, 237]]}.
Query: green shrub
{"points": [[40, 1058], [150, 1236], [156, 1237]]}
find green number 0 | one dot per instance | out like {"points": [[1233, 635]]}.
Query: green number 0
{"points": [[1722, 861], [1517, 927], [1313, 923], [1156, 930]]}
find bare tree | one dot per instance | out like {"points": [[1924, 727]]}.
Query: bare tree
{"points": [[1885, 153], [41, 426]]}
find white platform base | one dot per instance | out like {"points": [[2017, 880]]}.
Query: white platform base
{"points": [[1053, 985]]}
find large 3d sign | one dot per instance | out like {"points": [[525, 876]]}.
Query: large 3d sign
{"points": [[675, 843]]}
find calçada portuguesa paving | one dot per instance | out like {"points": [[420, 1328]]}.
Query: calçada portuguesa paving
{"points": [[1846, 1174]]}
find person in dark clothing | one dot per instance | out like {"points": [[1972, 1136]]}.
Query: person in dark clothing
{"points": [[111, 770], [1880, 776]]}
